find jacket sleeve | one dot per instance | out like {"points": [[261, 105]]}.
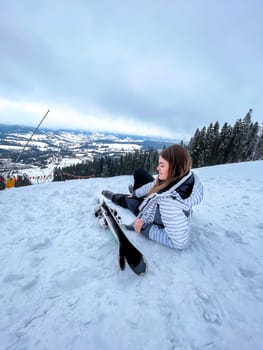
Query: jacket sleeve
{"points": [[175, 233], [142, 191]]}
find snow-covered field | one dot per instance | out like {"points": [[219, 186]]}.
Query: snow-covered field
{"points": [[61, 287]]}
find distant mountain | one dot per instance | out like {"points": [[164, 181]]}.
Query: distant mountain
{"points": [[50, 145]]}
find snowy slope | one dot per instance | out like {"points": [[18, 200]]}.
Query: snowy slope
{"points": [[61, 287]]}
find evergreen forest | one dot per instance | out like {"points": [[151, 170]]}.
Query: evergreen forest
{"points": [[210, 145]]}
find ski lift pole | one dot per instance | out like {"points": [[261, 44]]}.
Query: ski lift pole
{"points": [[19, 156]]}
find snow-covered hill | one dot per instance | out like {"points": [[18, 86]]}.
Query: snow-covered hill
{"points": [[49, 147], [61, 287]]}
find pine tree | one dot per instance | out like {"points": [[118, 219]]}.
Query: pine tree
{"points": [[212, 140], [259, 146], [215, 146], [208, 144], [245, 135], [235, 155], [202, 147], [224, 144], [194, 148], [252, 140]]}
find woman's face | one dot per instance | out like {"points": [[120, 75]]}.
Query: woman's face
{"points": [[163, 168]]}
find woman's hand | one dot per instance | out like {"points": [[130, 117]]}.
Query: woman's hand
{"points": [[138, 225]]}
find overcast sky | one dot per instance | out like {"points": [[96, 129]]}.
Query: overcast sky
{"points": [[159, 67]]}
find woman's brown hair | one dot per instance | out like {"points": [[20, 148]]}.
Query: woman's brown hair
{"points": [[179, 165]]}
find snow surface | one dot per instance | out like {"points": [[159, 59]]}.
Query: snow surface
{"points": [[61, 287]]}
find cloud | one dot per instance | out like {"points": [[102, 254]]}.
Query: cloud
{"points": [[165, 67], [30, 113]]}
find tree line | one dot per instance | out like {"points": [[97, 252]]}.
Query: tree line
{"points": [[108, 166], [230, 144], [209, 146]]}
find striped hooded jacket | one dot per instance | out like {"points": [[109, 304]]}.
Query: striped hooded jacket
{"points": [[167, 214]]}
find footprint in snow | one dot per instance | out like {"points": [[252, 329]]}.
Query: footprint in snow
{"points": [[209, 313], [39, 243], [246, 272], [13, 278]]}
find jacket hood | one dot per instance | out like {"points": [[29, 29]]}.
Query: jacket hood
{"points": [[183, 186], [188, 190]]}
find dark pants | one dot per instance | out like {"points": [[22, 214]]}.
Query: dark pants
{"points": [[141, 177]]}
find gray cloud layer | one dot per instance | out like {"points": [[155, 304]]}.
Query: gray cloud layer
{"points": [[177, 65]]}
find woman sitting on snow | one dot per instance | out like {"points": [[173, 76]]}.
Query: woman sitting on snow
{"points": [[163, 206]]}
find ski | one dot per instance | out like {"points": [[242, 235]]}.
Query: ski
{"points": [[127, 251]]}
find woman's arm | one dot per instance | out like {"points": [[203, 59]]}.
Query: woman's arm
{"points": [[175, 231]]}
